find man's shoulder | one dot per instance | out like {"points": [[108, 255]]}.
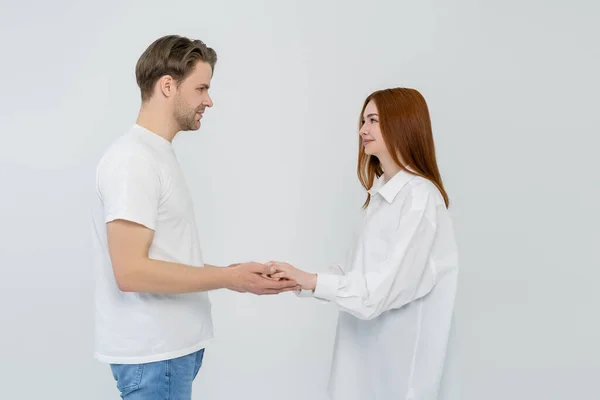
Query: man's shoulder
{"points": [[127, 162], [126, 149]]}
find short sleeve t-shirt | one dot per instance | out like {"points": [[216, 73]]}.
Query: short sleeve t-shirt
{"points": [[139, 179]]}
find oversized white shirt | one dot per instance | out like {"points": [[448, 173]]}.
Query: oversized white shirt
{"points": [[396, 296]]}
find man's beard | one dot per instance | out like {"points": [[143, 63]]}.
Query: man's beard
{"points": [[185, 116]]}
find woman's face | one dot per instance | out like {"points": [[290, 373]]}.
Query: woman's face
{"points": [[370, 132]]}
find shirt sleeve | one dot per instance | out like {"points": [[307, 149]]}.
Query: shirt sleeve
{"points": [[130, 190], [403, 277], [334, 269]]}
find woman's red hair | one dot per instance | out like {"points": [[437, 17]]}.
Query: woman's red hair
{"points": [[406, 129]]}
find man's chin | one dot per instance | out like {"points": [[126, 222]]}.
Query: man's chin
{"points": [[197, 125], [191, 128]]}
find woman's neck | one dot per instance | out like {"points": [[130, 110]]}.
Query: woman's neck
{"points": [[390, 168]]}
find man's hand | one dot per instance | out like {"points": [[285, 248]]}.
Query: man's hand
{"points": [[285, 271], [255, 278]]}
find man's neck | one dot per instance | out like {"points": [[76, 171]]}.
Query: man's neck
{"points": [[156, 121]]}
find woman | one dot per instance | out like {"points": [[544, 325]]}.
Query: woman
{"points": [[396, 294]]}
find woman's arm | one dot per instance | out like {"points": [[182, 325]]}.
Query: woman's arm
{"points": [[402, 278]]}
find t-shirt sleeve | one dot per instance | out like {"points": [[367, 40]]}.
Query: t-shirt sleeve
{"points": [[129, 187]]}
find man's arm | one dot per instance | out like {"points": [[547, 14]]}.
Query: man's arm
{"points": [[134, 271]]}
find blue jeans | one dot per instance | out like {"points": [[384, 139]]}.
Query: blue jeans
{"points": [[161, 380]]}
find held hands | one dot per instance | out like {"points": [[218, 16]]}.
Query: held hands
{"points": [[285, 271], [258, 279]]}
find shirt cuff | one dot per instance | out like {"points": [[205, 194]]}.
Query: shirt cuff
{"points": [[303, 293], [327, 286]]}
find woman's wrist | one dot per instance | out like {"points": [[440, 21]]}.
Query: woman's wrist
{"points": [[311, 282]]}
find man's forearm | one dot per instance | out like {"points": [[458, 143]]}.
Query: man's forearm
{"points": [[162, 277]]}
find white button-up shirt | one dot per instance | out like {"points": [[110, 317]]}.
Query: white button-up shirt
{"points": [[396, 296]]}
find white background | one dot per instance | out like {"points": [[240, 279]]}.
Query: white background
{"points": [[513, 92]]}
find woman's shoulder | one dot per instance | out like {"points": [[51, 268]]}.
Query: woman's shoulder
{"points": [[423, 191]]}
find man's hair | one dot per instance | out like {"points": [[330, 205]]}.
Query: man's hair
{"points": [[172, 55]]}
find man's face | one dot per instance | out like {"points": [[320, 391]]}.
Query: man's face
{"points": [[192, 97]]}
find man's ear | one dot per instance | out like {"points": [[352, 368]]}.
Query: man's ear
{"points": [[166, 85]]}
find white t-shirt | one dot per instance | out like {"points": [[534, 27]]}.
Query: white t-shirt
{"points": [[139, 179]]}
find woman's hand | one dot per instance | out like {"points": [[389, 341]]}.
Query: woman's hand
{"points": [[284, 270]]}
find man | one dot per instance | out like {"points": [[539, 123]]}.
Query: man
{"points": [[153, 314]]}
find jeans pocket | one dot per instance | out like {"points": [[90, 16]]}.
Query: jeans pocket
{"points": [[128, 377]]}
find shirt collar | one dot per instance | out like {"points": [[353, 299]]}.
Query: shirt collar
{"points": [[150, 136], [390, 189]]}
